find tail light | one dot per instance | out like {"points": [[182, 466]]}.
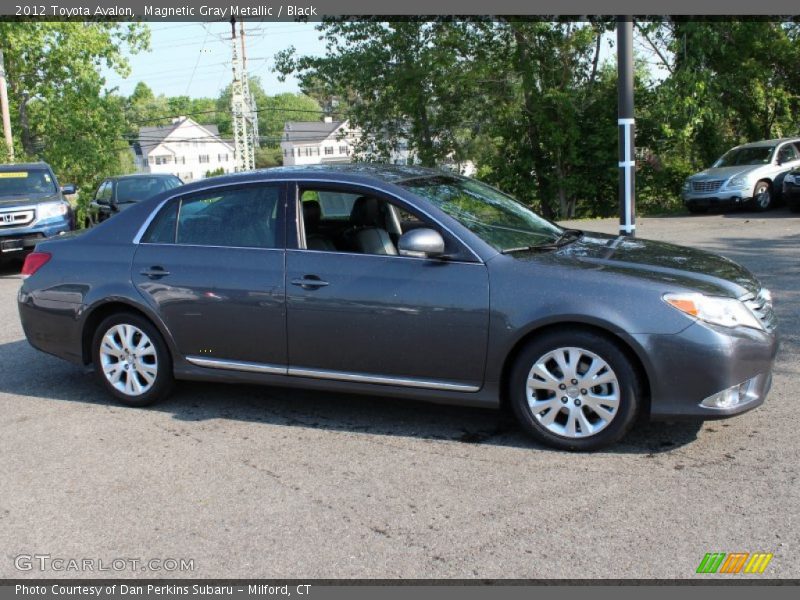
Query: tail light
{"points": [[33, 262]]}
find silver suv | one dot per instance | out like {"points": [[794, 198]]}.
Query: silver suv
{"points": [[750, 174]]}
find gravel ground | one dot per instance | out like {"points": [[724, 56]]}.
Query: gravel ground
{"points": [[267, 482]]}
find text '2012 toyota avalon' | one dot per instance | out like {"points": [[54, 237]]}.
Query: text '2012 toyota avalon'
{"points": [[402, 282]]}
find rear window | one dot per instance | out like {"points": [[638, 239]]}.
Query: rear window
{"points": [[142, 188]]}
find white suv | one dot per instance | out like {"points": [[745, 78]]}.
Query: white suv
{"points": [[749, 174]]}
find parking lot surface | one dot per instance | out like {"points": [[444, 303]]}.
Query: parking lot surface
{"points": [[267, 482]]}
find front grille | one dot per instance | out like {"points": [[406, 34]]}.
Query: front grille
{"points": [[761, 306], [16, 218], [707, 185]]}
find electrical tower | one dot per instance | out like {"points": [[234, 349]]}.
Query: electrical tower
{"points": [[243, 116]]}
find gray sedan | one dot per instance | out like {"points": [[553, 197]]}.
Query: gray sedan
{"points": [[403, 282]]}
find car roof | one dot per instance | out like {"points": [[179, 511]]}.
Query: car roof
{"points": [[764, 143], [141, 175], [343, 172], [25, 166]]}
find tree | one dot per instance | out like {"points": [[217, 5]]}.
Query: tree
{"points": [[60, 111], [405, 82]]}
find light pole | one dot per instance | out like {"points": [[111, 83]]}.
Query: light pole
{"points": [[626, 128]]}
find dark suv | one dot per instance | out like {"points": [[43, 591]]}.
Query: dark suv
{"points": [[118, 193], [32, 206]]}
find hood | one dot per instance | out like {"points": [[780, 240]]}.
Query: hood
{"points": [[29, 200], [725, 172], [678, 265]]}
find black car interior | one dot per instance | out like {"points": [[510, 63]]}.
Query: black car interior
{"points": [[374, 226]]}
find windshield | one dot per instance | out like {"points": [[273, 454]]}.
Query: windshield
{"points": [[754, 155], [499, 220], [141, 188], [24, 183]]}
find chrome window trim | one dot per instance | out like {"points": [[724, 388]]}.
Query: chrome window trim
{"points": [[254, 367], [346, 253], [298, 181], [137, 239]]}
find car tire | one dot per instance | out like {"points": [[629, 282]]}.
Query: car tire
{"points": [[132, 360], [696, 210], [537, 382], [762, 196]]}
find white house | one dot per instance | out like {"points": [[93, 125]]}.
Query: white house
{"points": [[316, 142], [184, 148], [329, 141]]}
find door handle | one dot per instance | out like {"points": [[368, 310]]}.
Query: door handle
{"points": [[309, 282], [155, 272]]}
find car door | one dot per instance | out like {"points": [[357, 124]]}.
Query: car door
{"points": [[212, 264], [378, 318], [102, 201]]}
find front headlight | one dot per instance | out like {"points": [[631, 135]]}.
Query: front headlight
{"points": [[726, 312], [687, 186], [50, 210], [737, 183]]}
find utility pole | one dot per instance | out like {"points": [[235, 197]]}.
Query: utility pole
{"points": [[250, 102], [244, 152], [4, 108], [626, 126]]}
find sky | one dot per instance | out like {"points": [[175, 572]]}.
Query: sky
{"points": [[194, 59]]}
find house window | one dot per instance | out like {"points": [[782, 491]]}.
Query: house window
{"points": [[163, 160], [180, 160], [146, 162], [203, 158], [308, 151], [342, 149], [222, 158]]}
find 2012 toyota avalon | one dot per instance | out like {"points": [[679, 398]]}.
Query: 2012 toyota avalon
{"points": [[403, 282]]}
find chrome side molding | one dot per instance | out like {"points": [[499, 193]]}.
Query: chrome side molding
{"points": [[251, 367]]}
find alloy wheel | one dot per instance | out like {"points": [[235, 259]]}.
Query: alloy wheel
{"points": [[573, 392], [128, 359]]}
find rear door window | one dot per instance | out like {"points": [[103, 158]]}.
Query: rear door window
{"points": [[241, 217]]}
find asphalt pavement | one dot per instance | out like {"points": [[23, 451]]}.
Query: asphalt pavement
{"points": [[265, 482]]}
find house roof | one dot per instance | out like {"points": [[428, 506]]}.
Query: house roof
{"points": [[150, 137], [309, 132]]}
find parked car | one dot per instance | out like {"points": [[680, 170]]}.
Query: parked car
{"points": [[32, 207], [791, 190], [118, 193], [405, 282], [750, 175]]}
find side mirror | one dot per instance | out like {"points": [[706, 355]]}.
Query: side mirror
{"points": [[68, 189], [421, 243]]}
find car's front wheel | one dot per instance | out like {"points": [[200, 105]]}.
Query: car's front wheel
{"points": [[762, 195], [131, 360], [574, 390]]}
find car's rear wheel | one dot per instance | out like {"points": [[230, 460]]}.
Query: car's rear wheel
{"points": [[762, 196], [574, 390], [131, 360]]}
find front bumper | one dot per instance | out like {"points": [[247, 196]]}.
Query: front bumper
{"points": [[19, 239], [687, 368], [720, 198]]}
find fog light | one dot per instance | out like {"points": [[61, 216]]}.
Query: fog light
{"points": [[732, 397]]}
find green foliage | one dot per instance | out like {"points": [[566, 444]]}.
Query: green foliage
{"points": [[59, 111], [529, 102], [215, 172]]}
